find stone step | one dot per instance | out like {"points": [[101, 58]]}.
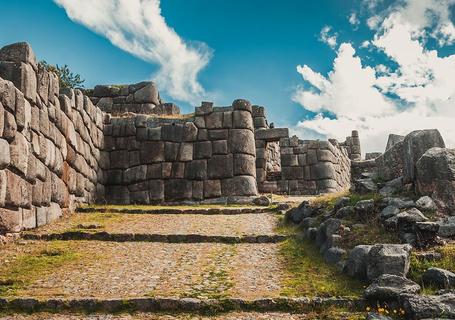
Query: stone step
{"points": [[179, 305], [186, 210], [156, 226], [147, 237]]}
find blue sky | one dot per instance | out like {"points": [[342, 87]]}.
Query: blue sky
{"points": [[252, 48]]}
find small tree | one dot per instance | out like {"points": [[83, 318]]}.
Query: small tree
{"points": [[67, 79]]}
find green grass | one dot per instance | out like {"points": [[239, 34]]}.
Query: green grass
{"points": [[419, 266], [31, 266], [354, 197], [309, 275]]}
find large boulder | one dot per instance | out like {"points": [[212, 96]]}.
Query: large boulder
{"points": [[447, 227], [429, 307], [356, 264], [440, 278], [415, 145], [388, 259], [393, 140], [435, 177], [389, 287]]}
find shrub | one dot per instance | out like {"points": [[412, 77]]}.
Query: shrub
{"points": [[67, 78]]}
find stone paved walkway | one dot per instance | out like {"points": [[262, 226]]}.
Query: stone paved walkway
{"points": [[89, 269]]}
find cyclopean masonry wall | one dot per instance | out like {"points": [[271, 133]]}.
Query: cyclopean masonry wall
{"points": [[209, 155], [306, 166], [57, 149], [49, 144], [142, 98]]}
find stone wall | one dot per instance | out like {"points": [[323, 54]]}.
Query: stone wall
{"points": [[305, 166], [210, 155], [49, 144], [352, 145], [141, 98]]}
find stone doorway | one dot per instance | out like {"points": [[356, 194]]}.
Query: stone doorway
{"points": [[273, 161]]}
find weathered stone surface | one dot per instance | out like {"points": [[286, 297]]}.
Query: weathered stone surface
{"points": [[19, 153], [239, 185], [322, 170], [196, 170], [10, 220], [415, 145], [356, 264], [18, 52], [212, 188], [388, 259], [274, 134], [177, 189], [393, 140], [186, 152], [221, 166], [242, 141], [435, 177], [365, 208], [220, 147], [389, 212], [5, 157], [151, 151], [429, 307], [147, 94], [439, 278], [214, 120], [365, 186], [426, 203], [389, 287], [334, 255], [242, 104], [242, 120], [202, 150], [10, 127], [447, 227], [190, 132], [173, 132], [244, 164]]}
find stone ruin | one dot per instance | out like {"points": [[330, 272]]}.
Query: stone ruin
{"points": [[60, 148]]}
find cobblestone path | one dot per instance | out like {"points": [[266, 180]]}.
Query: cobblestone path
{"points": [[61, 274]]}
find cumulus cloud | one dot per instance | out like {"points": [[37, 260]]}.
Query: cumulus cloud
{"points": [[138, 27], [418, 92], [328, 36]]}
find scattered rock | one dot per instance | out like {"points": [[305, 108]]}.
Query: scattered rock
{"points": [[296, 215], [345, 212], [447, 227], [334, 255], [341, 202], [282, 206], [356, 264], [308, 222], [365, 186], [408, 218], [391, 187], [426, 233], [389, 287], [400, 203], [365, 208], [262, 201], [426, 307], [436, 176], [425, 203], [440, 278], [389, 211], [388, 259], [326, 229]]}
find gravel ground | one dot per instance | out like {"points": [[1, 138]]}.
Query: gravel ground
{"points": [[211, 225], [159, 269]]}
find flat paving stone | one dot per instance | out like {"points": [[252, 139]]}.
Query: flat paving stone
{"points": [[140, 269], [166, 224], [142, 316]]}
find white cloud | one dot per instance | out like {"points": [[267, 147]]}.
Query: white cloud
{"points": [[138, 27], [421, 81], [327, 36], [348, 91], [354, 19]]}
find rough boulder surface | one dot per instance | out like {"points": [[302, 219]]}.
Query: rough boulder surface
{"points": [[389, 287], [429, 307], [388, 259], [415, 145], [440, 278], [435, 177], [356, 264]]}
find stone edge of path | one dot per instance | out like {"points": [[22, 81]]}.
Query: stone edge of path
{"points": [[162, 238], [182, 305], [205, 211]]}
